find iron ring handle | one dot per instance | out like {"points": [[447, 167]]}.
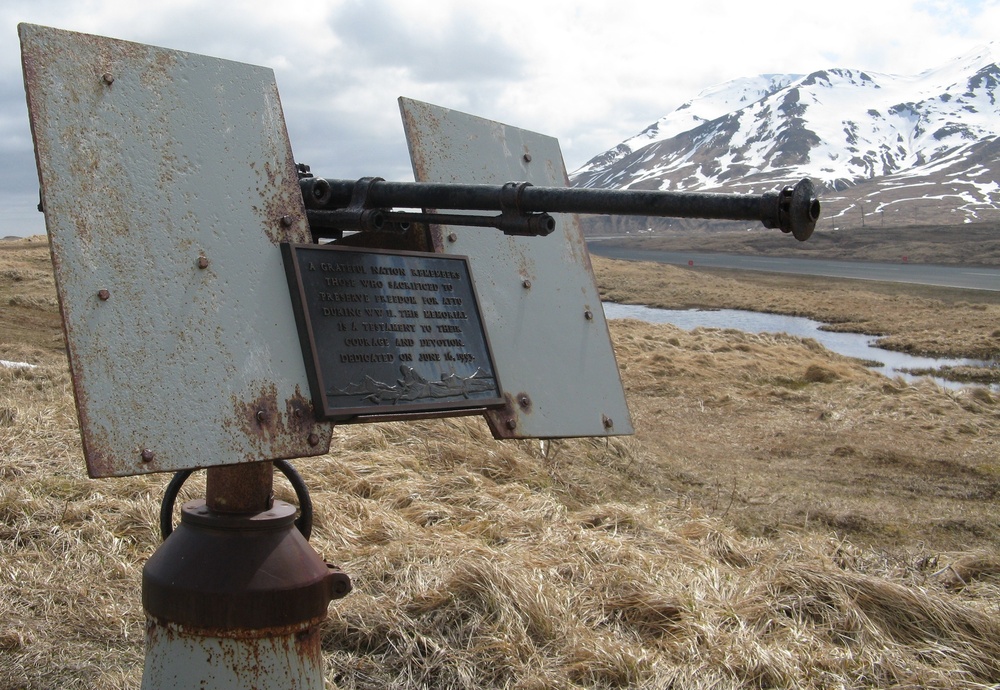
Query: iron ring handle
{"points": [[303, 522]]}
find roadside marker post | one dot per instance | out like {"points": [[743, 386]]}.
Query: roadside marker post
{"points": [[208, 328]]}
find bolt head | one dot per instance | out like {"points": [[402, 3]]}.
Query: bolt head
{"points": [[511, 424], [527, 157], [147, 455], [286, 221], [108, 78], [526, 284], [453, 237], [589, 315], [261, 416], [313, 439], [103, 295], [202, 262]]}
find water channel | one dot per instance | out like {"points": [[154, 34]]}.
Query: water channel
{"points": [[856, 345]]}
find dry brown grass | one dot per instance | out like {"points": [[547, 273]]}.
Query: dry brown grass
{"points": [[29, 313], [783, 519]]}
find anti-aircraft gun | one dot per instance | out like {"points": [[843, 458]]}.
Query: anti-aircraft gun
{"points": [[453, 369], [366, 205], [183, 284]]}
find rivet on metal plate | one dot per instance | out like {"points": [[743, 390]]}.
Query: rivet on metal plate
{"points": [[261, 416], [286, 221], [452, 237], [527, 158], [202, 262], [511, 424], [313, 439], [526, 284], [608, 422], [103, 295], [108, 78], [147, 455], [589, 315]]}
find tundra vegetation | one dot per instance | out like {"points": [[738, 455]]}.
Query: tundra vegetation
{"points": [[783, 517]]}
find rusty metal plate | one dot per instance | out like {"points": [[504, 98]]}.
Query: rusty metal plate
{"points": [[168, 184], [389, 332], [539, 300]]}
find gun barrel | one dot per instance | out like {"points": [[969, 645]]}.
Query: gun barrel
{"points": [[792, 209]]}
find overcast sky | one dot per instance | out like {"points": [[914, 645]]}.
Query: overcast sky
{"points": [[591, 73]]}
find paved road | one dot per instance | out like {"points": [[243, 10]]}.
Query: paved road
{"points": [[969, 278]]}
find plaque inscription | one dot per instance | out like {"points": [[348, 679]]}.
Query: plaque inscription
{"points": [[389, 329]]}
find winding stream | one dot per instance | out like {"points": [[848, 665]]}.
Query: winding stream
{"points": [[854, 345]]}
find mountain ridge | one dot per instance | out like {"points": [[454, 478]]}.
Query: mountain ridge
{"points": [[921, 149]]}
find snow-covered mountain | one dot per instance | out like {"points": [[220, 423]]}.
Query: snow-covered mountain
{"points": [[921, 149]]}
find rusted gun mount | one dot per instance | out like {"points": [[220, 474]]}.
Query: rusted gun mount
{"points": [[366, 205], [176, 309]]}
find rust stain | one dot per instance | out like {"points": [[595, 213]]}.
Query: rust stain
{"points": [[309, 647], [421, 125], [259, 418], [524, 402], [301, 417], [519, 250], [179, 630], [280, 197], [503, 420], [411, 126], [437, 234], [284, 430], [242, 488], [577, 243], [99, 463]]}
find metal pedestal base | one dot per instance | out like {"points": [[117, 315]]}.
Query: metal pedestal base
{"points": [[182, 657], [235, 601]]}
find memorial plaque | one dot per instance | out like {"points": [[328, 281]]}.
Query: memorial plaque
{"points": [[389, 332]]}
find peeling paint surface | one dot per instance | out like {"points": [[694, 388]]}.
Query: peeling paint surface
{"points": [[165, 176], [182, 657], [539, 299]]}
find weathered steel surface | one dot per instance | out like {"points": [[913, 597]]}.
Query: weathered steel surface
{"points": [[168, 183], [276, 659], [244, 488], [539, 301]]}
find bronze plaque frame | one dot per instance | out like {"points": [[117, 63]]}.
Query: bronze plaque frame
{"points": [[388, 333]]}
